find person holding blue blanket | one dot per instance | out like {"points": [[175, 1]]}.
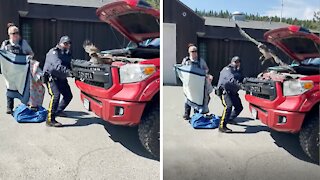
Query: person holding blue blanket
{"points": [[194, 60], [18, 46]]}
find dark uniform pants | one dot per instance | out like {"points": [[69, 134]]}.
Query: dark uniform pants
{"points": [[56, 88], [10, 102], [187, 109], [229, 101]]}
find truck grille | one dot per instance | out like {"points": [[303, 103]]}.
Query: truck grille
{"points": [[265, 89], [93, 74]]}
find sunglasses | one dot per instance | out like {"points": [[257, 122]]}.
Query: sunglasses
{"points": [[15, 33]]}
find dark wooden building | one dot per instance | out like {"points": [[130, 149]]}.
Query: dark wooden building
{"points": [[217, 38], [43, 24]]}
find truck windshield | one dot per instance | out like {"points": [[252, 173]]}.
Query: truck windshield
{"points": [[154, 43], [311, 61], [146, 43]]}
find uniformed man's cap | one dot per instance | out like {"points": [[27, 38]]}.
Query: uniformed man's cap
{"points": [[235, 59], [65, 39]]}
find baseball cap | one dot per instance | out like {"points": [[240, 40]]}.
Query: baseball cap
{"points": [[65, 39]]}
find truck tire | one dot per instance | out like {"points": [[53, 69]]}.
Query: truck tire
{"points": [[149, 131], [309, 136]]}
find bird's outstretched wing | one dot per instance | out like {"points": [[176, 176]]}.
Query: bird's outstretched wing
{"points": [[267, 53], [262, 48], [244, 34]]}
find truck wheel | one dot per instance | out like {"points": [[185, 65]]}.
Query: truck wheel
{"points": [[149, 132], [309, 136]]}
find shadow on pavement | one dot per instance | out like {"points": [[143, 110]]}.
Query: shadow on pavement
{"points": [[251, 129], [243, 119], [290, 143], [126, 136], [248, 128], [76, 114], [287, 141]]}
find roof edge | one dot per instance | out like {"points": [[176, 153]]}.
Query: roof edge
{"points": [[190, 9]]}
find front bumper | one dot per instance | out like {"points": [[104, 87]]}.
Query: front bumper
{"points": [[115, 111], [274, 119]]}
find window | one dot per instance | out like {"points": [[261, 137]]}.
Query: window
{"points": [[203, 51], [26, 32]]}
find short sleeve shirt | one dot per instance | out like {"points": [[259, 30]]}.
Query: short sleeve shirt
{"points": [[25, 46], [203, 65]]}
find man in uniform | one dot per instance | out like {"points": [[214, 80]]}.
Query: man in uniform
{"points": [[229, 82], [58, 68], [193, 60]]}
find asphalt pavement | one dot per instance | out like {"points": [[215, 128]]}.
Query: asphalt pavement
{"points": [[85, 148], [252, 152]]}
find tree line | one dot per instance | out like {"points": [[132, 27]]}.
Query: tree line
{"points": [[313, 24], [154, 3]]}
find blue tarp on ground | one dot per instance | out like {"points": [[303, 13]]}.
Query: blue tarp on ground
{"points": [[23, 114], [200, 121]]}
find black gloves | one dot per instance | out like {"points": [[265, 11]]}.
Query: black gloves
{"points": [[218, 91], [45, 78]]}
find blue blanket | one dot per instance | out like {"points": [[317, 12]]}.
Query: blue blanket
{"points": [[23, 114], [200, 121], [194, 86], [16, 71]]}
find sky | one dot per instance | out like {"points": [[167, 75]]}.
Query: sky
{"points": [[301, 9]]}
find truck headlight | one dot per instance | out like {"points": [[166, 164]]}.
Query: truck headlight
{"points": [[131, 73], [296, 87]]}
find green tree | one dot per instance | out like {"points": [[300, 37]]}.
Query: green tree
{"points": [[310, 24], [316, 16], [316, 21], [154, 3]]}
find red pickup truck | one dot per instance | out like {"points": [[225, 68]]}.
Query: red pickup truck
{"points": [[287, 99], [127, 92]]}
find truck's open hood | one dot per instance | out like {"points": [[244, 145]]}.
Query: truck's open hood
{"points": [[135, 19], [297, 42]]}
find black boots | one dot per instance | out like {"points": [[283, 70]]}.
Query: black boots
{"points": [[53, 123], [225, 130], [186, 117], [187, 111], [10, 105], [9, 110]]}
